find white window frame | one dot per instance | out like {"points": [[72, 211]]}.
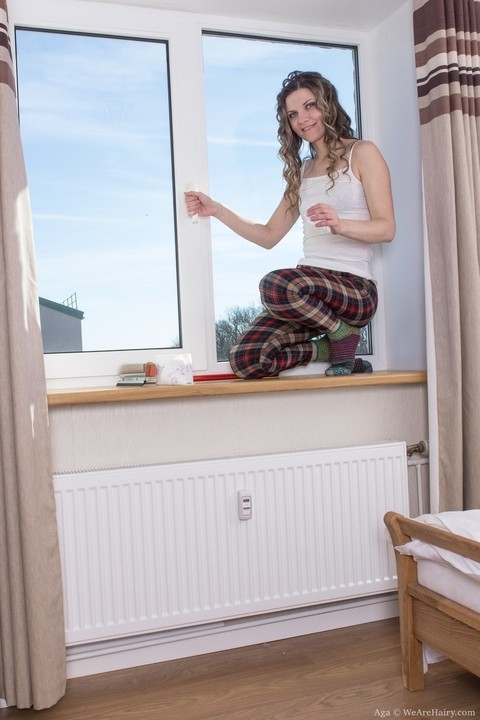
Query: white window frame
{"points": [[183, 32]]}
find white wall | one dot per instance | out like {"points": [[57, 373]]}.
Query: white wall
{"points": [[393, 84], [154, 431]]}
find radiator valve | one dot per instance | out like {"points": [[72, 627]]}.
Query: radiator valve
{"points": [[421, 448]]}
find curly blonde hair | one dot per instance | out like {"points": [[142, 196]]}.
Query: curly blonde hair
{"points": [[337, 128]]}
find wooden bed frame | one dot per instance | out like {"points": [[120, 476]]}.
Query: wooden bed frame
{"points": [[425, 615]]}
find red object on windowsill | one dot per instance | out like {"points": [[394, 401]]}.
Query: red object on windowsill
{"points": [[219, 376]]}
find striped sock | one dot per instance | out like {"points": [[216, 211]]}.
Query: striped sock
{"points": [[343, 345], [321, 351]]}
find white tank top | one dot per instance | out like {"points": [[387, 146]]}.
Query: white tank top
{"points": [[323, 249]]}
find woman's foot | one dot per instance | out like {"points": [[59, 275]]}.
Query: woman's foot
{"points": [[358, 366], [321, 353]]}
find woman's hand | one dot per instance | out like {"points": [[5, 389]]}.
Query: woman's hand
{"points": [[200, 204], [324, 216]]}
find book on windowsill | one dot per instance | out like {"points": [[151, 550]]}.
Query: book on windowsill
{"points": [[134, 379]]}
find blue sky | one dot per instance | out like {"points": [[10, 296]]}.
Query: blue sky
{"points": [[97, 149]]}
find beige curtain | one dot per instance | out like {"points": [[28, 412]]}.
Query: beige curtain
{"points": [[448, 84], [32, 641]]}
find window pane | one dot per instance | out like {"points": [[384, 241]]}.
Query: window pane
{"points": [[95, 124], [243, 77]]}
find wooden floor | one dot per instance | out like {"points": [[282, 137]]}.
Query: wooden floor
{"points": [[347, 674]]}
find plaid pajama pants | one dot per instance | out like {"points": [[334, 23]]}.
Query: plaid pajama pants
{"points": [[300, 303]]}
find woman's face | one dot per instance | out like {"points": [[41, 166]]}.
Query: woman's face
{"points": [[305, 118]]}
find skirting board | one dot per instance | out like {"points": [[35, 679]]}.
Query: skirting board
{"points": [[122, 653]]}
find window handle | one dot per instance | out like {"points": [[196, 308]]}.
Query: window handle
{"points": [[189, 187]]}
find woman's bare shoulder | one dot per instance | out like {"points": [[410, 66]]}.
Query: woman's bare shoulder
{"points": [[366, 148], [365, 155]]}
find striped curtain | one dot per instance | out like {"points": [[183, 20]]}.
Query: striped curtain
{"points": [[446, 35], [32, 636]]}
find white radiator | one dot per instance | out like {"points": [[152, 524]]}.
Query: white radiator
{"points": [[160, 547]]}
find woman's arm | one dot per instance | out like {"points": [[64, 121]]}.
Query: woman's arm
{"points": [[371, 169], [265, 235]]}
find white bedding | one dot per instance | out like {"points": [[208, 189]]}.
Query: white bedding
{"points": [[447, 573], [452, 583], [465, 523]]}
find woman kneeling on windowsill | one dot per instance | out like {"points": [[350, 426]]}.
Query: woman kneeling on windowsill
{"points": [[314, 312]]}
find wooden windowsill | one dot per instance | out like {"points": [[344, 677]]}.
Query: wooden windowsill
{"points": [[88, 396]]}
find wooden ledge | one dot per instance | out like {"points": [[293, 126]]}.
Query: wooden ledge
{"points": [[89, 396]]}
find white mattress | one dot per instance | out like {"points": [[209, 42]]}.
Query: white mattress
{"points": [[447, 573], [465, 523], [450, 582]]}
